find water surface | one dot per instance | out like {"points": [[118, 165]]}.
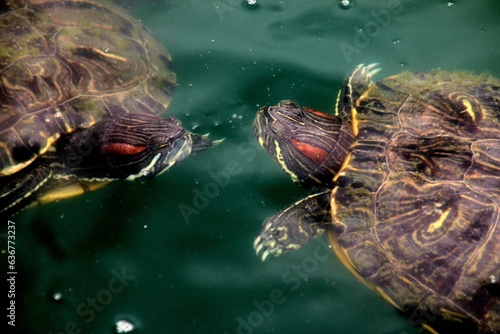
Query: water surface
{"points": [[174, 255]]}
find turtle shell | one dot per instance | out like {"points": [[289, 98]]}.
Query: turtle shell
{"points": [[416, 207], [65, 65]]}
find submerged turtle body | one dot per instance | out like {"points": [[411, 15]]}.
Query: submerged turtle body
{"points": [[81, 86], [409, 172]]}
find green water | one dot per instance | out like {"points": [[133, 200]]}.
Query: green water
{"points": [[174, 255]]}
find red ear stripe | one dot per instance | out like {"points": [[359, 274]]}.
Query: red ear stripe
{"points": [[313, 153], [121, 149]]}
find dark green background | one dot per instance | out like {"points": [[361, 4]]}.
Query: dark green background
{"points": [[198, 273]]}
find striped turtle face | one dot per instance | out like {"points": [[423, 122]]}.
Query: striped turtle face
{"points": [[159, 146], [303, 141], [130, 146]]}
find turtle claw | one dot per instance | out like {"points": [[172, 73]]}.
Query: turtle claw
{"points": [[355, 83], [371, 66], [267, 245], [258, 245], [371, 73], [294, 226], [264, 255], [370, 69]]}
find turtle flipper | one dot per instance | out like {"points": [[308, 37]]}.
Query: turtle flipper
{"points": [[59, 189], [19, 190], [292, 227]]}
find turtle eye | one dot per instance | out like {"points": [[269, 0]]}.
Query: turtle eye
{"points": [[166, 145], [157, 143], [161, 142], [276, 131], [166, 137]]}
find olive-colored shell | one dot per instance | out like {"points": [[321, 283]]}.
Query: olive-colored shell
{"points": [[67, 64], [416, 207]]}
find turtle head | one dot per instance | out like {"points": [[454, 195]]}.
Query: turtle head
{"points": [[309, 145], [155, 148], [129, 146]]}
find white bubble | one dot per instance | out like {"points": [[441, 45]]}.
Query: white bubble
{"points": [[57, 296], [345, 4], [124, 326]]}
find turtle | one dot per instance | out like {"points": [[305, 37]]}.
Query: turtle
{"points": [[406, 179], [82, 88]]}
